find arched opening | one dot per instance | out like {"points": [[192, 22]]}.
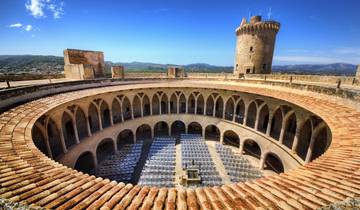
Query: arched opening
{"points": [[54, 139], [276, 124], [85, 163], [173, 103], [182, 104], [155, 105], [146, 106], [210, 106], [68, 130], [161, 129], [177, 128], [105, 149], [191, 104], [93, 118], [321, 143], [116, 111], [126, 109], [137, 107], [212, 133], [273, 162], [240, 112], [39, 140], [231, 138], [194, 128], [200, 105], [105, 114], [229, 109], [251, 148], [263, 119], [251, 115], [219, 107], [290, 129], [81, 126], [125, 137], [304, 139], [164, 104], [143, 132]]}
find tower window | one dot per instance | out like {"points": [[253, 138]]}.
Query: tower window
{"points": [[264, 66], [251, 49]]}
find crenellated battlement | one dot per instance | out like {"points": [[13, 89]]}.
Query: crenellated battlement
{"points": [[258, 27]]}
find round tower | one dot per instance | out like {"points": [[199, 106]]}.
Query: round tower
{"points": [[255, 46]]}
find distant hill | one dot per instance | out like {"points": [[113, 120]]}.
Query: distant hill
{"points": [[37, 64]]}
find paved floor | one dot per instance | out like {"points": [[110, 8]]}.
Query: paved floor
{"points": [[218, 163]]}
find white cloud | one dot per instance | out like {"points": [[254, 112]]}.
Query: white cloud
{"points": [[21, 26], [15, 25], [28, 28], [38, 8]]}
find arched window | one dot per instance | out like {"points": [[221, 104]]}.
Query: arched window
{"points": [[212, 133], [177, 128], [116, 111], [200, 105], [276, 124], [161, 129], [85, 163], [155, 105], [251, 115], [93, 118], [195, 128], [231, 138], [68, 130], [80, 119], [105, 114]]}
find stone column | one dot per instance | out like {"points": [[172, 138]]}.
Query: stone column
{"points": [[224, 108], [241, 148], [62, 140], [169, 107], [75, 130], [214, 108], [47, 143], [178, 105], [282, 132], [234, 113], [99, 116], [204, 107], [221, 138], [88, 125], [186, 129], [142, 108], [195, 105], [257, 119], [296, 139], [268, 129], [203, 133], [150, 103], [111, 117], [186, 105], [262, 162], [245, 116], [310, 149]]}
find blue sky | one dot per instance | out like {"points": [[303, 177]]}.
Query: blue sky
{"points": [[181, 31]]}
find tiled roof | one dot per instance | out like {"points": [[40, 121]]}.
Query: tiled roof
{"points": [[29, 177]]}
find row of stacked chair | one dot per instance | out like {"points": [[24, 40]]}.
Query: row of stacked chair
{"points": [[238, 168], [121, 165], [195, 154], [159, 169]]}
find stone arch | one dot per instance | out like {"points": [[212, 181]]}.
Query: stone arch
{"points": [[210, 106], [164, 104], [54, 139], [290, 129], [68, 129], [126, 108], [263, 120], [105, 114], [321, 143], [93, 118], [173, 104], [86, 163], [195, 128], [276, 124], [81, 123], [252, 148], [116, 111], [191, 104], [251, 115], [200, 105], [273, 162], [231, 138], [177, 128], [104, 149], [212, 132], [304, 139], [219, 107], [125, 137], [155, 105], [161, 129], [137, 106], [143, 132], [229, 109], [146, 106], [240, 112], [182, 103], [39, 140]]}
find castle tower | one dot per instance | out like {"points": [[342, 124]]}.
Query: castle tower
{"points": [[255, 46]]}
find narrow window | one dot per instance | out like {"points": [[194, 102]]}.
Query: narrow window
{"points": [[264, 66], [251, 49]]}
